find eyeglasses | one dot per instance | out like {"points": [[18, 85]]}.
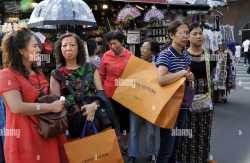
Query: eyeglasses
{"points": [[182, 34]]}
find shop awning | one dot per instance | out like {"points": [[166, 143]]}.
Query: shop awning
{"points": [[172, 4], [146, 1]]}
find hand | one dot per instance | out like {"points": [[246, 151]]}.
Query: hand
{"points": [[89, 111], [183, 72], [190, 76], [57, 106]]}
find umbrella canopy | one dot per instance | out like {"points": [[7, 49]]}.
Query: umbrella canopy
{"points": [[62, 12]]}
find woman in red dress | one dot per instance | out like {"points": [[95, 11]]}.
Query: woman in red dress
{"points": [[18, 86]]}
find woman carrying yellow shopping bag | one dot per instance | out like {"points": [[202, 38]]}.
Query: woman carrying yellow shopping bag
{"points": [[173, 64]]}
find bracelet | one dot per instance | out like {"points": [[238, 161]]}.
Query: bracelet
{"points": [[38, 107]]}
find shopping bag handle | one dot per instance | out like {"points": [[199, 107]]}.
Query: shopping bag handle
{"points": [[84, 131]]}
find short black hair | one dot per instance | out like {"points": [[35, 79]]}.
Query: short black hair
{"points": [[154, 46], [117, 36], [172, 27], [195, 25], [108, 36]]}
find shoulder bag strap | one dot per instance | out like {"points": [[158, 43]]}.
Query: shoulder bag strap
{"points": [[207, 61]]}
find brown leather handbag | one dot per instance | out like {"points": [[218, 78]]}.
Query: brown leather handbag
{"points": [[51, 124]]}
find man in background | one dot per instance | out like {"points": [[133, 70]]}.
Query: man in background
{"points": [[245, 46]]}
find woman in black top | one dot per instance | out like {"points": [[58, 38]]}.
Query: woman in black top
{"points": [[195, 149]]}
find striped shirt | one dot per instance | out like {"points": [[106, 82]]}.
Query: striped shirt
{"points": [[173, 61]]}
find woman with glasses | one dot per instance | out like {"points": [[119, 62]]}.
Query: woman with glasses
{"points": [[173, 64]]}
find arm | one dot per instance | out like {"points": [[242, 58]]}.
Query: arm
{"points": [[98, 81], [102, 71], [54, 86], [90, 109], [166, 77], [18, 106]]}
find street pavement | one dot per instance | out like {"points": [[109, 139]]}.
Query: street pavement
{"points": [[231, 125]]}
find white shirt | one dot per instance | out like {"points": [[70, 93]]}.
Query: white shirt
{"points": [[215, 40], [245, 45], [207, 37], [237, 51]]}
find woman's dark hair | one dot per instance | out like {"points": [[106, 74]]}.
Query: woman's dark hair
{"points": [[92, 46], [154, 46], [117, 36], [195, 25], [11, 46], [107, 37], [60, 60], [172, 27]]}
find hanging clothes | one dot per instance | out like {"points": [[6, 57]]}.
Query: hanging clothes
{"points": [[227, 34], [225, 76]]}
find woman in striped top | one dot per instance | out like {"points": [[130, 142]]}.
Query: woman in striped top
{"points": [[173, 64]]}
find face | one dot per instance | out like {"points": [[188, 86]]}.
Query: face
{"points": [[196, 37], [181, 36], [69, 48], [145, 50], [116, 46], [32, 50]]}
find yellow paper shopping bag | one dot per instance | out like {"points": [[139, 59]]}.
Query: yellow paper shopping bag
{"points": [[138, 89], [99, 148]]}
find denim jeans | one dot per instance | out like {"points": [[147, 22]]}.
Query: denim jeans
{"points": [[150, 138], [168, 142], [2, 126], [2, 116]]}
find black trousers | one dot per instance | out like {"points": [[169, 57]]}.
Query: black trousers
{"points": [[246, 58], [122, 115]]}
